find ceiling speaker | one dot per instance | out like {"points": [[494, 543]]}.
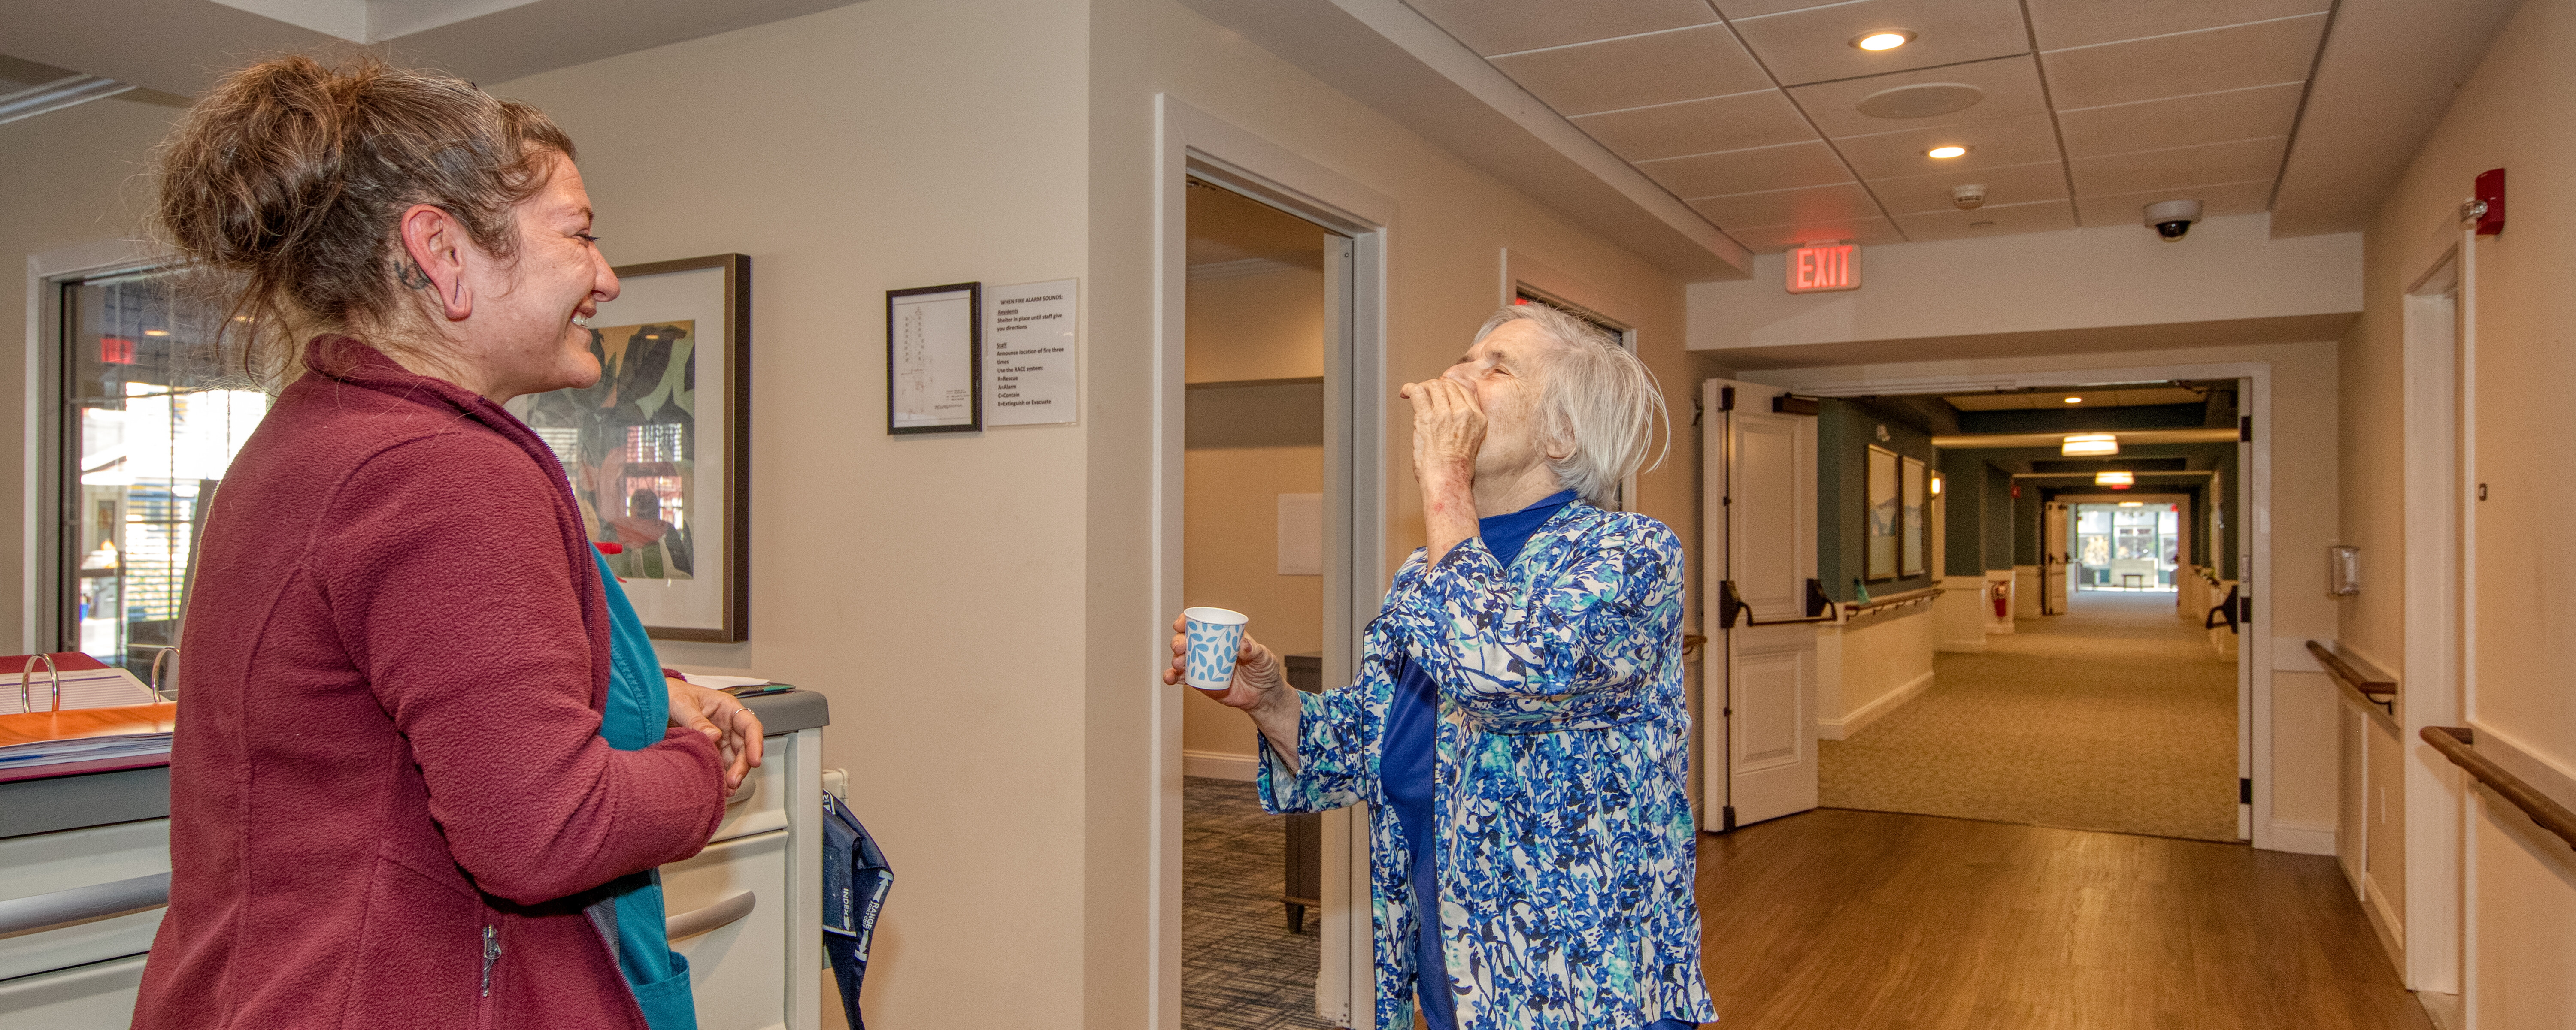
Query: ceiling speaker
{"points": [[1921, 100]]}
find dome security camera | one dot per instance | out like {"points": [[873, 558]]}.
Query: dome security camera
{"points": [[2172, 218], [1968, 197]]}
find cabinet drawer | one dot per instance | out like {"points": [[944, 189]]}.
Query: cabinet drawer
{"points": [[738, 971], [99, 996], [761, 804], [48, 862]]}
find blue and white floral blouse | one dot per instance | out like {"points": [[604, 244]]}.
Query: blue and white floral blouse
{"points": [[1565, 846]]}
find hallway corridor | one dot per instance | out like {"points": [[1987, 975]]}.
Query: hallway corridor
{"points": [[2115, 716]]}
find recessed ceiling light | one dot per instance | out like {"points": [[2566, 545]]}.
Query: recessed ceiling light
{"points": [[1888, 40], [2075, 400], [2115, 480], [2090, 445], [156, 332], [1945, 153]]}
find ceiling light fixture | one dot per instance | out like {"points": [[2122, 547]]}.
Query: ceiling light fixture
{"points": [[156, 332], [2114, 480], [2133, 504], [2075, 400], [1887, 40], [1945, 153], [2090, 445]]}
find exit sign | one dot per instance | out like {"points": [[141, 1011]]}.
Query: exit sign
{"points": [[1827, 266]]}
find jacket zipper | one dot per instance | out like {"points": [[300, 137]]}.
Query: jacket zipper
{"points": [[491, 954]]}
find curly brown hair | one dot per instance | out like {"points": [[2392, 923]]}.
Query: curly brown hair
{"points": [[285, 183]]}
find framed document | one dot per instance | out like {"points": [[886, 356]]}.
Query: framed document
{"points": [[1884, 518], [1918, 530], [659, 449], [934, 365]]}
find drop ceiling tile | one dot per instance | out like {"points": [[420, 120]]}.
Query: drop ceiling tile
{"points": [[1814, 45], [1993, 143], [2260, 54], [1492, 27], [1990, 220], [2238, 161], [1772, 239], [2216, 200], [2067, 23], [1757, 8], [1806, 205], [1748, 171], [2009, 184], [1738, 122], [1635, 71], [2181, 121], [2011, 86]]}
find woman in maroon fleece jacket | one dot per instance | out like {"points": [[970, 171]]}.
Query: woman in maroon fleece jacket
{"points": [[388, 793]]}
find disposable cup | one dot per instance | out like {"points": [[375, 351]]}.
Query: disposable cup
{"points": [[1215, 636]]}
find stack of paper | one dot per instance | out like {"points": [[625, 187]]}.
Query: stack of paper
{"points": [[82, 688], [84, 749]]}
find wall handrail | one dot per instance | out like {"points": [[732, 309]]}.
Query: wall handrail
{"points": [[2459, 744], [2356, 672], [1851, 608]]}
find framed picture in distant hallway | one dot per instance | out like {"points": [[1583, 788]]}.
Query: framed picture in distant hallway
{"points": [[658, 450], [1917, 531], [1885, 519]]}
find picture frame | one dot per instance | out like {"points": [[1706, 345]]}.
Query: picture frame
{"points": [[934, 359], [1883, 518], [658, 451], [1917, 531]]}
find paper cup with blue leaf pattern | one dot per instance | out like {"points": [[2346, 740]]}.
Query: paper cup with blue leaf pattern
{"points": [[1215, 636]]}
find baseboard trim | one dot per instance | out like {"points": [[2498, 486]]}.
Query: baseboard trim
{"points": [[2386, 923], [1843, 728], [2302, 838], [1218, 765]]}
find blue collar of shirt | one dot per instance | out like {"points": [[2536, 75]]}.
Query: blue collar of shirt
{"points": [[1504, 534]]}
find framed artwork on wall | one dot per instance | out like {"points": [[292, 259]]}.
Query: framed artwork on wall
{"points": [[934, 359], [1885, 519], [1917, 530], [659, 449]]}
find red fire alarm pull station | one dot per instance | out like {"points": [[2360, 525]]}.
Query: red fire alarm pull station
{"points": [[1818, 267], [2488, 209]]}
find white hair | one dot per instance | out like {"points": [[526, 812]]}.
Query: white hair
{"points": [[1596, 402]]}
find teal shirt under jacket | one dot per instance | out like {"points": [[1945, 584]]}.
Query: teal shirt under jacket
{"points": [[1565, 846]]}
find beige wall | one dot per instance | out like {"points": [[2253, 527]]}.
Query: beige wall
{"points": [[1267, 326], [1246, 446], [930, 586], [67, 178], [1882, 653], [2507, 114]]}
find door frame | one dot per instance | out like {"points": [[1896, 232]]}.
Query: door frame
{"points": [[41, 581], [1190, 143], [2183, 531], [2254, 540], [2438, 391]]}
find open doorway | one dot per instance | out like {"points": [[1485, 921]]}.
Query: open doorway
{"points": [[2071, 662], [1254, 473]]}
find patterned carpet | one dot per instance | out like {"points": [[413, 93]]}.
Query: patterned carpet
{"points": [[2115, 716], [1240, 967]]}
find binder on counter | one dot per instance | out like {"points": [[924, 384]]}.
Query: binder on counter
{"points": [[105, 720]]}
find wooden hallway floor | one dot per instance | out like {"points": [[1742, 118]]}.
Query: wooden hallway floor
{"points": [[1848, 920]]}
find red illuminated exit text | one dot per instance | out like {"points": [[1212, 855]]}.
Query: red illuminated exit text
{"points": [[1831, 266]]}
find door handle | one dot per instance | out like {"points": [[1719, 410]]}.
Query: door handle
{"points": [[1733, 612], [713, 917]]}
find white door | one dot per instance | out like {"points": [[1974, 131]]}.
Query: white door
{"points": [[2053, 564], [1759, 744]]}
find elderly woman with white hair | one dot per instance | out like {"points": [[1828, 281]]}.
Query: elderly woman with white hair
{"points": [[1518, 724]]}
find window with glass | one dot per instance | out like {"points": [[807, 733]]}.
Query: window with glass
{"points": [[148, 418], [2131, 546]]}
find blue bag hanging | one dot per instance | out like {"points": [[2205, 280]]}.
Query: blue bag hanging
{"points": [[855, 881], [639, 709]]}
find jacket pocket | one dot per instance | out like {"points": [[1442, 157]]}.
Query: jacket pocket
{"points": [[418, 961]]}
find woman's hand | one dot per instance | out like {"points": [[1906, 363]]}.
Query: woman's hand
{"points": [[725, 721], [1448, 430], [1259, 687]]}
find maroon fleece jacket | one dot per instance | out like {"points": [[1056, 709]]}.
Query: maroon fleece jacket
{"points": [[388, 748]]}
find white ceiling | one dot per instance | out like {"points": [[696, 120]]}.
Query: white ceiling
{"points": [[2078, 112]]}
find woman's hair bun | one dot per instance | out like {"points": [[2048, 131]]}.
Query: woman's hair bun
{"points": [[287, 180]]}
